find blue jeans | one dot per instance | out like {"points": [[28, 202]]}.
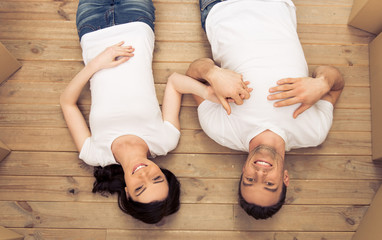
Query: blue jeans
{"points": [[205, 8], [93, 15]]}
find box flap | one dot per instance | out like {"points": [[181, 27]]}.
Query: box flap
{"points": [[8, 64]]}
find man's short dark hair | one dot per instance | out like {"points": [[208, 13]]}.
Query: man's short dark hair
{"points": [[259, 212]]}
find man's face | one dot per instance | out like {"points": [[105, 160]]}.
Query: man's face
{"points": [[263, 177]]}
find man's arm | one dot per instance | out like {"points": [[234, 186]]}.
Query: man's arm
{"points": [[326, 83], [227, 84]]}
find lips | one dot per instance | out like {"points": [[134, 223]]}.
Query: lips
{"points": [[138, 167], [263, 163]]}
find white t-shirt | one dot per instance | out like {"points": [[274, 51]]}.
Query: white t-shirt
{"points": [[259, 40], [124, 100]]}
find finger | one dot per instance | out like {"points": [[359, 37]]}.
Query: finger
{"points": [[238, 99], [225, 104], [286, 80], [120, 43], [120, 60], [281, 95], [285, 87], [301, 109], [286, 102], [244, 93]]}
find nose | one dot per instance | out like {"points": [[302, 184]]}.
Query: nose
{"points": [[261, 173]]}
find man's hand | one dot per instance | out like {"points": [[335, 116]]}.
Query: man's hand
{"points": [[306, 91], [228, 86]]}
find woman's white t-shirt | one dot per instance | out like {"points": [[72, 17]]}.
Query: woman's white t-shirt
{"points": [[123, 99]]}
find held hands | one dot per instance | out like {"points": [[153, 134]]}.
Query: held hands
{"points": [[228, 86], [306, 91], [112, 56]]}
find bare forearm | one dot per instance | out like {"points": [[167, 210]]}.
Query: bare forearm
{"points": [[74, 88], [331, 75], [187, 85], [177, 85], [201, 69]]}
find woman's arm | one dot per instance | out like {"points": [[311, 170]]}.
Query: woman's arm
{"points": [[68, 99], [177, 85]]}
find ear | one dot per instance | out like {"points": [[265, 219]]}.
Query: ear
{"points": [[127, 192], [286, 178]]}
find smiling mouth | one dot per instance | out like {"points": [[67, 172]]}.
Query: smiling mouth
{"points": [[139, 166], [263, 163]]}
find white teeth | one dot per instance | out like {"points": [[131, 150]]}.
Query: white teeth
{"points": [[263, 163], [141, 166]]}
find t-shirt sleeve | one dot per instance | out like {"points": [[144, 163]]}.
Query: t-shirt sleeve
{"points": [[326, 117], [91, 154], [173, 136]]}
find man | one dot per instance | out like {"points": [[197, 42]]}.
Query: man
{"points": [[256, 45]]}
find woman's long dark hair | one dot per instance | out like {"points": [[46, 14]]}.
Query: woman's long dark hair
{"points": [[111, 179]]}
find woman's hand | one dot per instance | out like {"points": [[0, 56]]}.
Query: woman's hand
{"points": [[112, 56]]}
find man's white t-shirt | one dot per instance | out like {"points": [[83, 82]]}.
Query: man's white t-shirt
{"points": [[258, 39], [124, 100]]}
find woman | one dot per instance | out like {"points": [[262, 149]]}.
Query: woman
{"points": [[126, 123]]}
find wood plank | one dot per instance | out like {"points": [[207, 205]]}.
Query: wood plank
{"points": [[70, 50], [165, 12], [194, 190], [191, 141], [297, 2], [35, 115], [225, 166], [178, 31], [108, 215], [300, 218], [49, 93], [58, 71], [190, 216], [225, 235], [61, 234]]}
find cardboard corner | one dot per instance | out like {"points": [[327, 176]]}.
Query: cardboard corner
{"points": [[4, 151], [370, 226], [6, 234], [8, 64], [375, 63], [366, 15]]}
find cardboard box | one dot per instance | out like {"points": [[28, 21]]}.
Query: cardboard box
{"points": [[4, 150], [8, 64], [367, 15], [375, 63], [370, 226], [6, 234]]}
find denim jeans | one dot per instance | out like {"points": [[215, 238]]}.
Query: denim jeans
{"points": [[205, 7], [93, 15]]}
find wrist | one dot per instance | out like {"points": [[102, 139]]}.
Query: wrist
{"points": [[326, 83], [210, 75]]}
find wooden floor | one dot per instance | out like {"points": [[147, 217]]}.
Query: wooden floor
{"points": [[45, 191]]}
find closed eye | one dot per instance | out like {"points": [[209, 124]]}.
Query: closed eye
{"points": [[138, 188]]}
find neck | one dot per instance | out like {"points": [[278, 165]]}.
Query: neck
{"points": [[127, 149], [268, 138]]}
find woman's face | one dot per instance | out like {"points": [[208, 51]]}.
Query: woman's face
{"points": [[145, 182]]}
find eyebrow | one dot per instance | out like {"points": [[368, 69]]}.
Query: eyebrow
{"points": [[268, 189], [146, 188]]}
